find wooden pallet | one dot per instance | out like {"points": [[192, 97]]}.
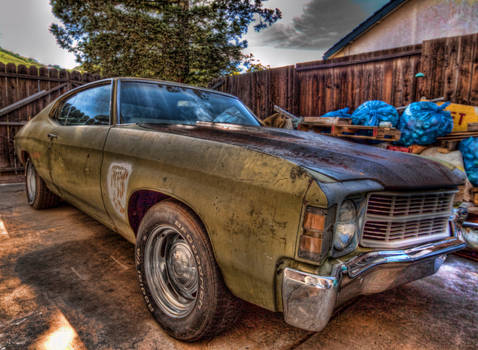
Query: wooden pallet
{"points": [[458, 136], [376, 133], [327, 121]]}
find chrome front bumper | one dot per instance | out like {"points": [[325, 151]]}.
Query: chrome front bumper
{"points": [[309, 300]]}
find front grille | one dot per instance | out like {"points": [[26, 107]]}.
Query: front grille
{"points": [[408, 204], [396, 220]]}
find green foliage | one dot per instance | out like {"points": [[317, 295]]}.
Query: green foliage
{"points": [[187, 41], [253, 64], [11, 57]]}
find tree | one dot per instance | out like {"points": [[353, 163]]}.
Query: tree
{"points": [[187, 41]]}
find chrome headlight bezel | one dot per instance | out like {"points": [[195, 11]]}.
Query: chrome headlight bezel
{"points": [[346, 225], [350, 244]]}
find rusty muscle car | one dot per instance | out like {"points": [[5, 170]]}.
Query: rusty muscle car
{"points": [[222, 209]]}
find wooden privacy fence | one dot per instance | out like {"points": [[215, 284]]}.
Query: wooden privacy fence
{"points": [[23, 93], [450, 66]]}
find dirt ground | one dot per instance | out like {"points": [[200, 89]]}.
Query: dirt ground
{"points": [[66, 281]]}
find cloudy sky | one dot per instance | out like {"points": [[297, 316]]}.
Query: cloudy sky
{"points": [[308, 28]]}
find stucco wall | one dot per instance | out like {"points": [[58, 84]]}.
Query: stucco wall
{"points": [[416, 21]]}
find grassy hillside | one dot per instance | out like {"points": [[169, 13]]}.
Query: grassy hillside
{"points": [[11, 57]]}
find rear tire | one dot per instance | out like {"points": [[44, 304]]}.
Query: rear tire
{"points": [[38, 195], [178, 276]]}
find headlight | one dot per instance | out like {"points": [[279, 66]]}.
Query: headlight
{"points": [[346, 225]]}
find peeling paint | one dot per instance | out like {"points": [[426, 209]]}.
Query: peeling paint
{"points": [[117, 180]]}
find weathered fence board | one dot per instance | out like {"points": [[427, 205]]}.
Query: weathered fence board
{"points": [[18, 85], [262, 90], [450, 66]]}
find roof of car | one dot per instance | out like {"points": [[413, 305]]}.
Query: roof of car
{"points": [[149, 80]]}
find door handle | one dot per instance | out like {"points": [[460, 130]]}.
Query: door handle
{"points": [[52, 136]]}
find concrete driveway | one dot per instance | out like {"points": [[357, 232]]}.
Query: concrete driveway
{"points": [[66, 281]]}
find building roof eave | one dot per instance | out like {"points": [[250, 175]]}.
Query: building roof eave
{"points": [[365, 26]]}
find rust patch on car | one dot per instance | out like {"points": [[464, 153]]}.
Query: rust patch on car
{"points": [[118, 176], [296, 173]]}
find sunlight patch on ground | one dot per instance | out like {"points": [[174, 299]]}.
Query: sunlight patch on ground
{"points": [[60, 336], [3, 230]]}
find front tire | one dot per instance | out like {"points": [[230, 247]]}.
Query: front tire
{"points": [[38, 195], [178, 276]]}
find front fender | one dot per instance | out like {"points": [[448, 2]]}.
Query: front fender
{"points": [[249, 202]]}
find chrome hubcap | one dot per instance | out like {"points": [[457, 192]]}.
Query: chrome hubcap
{"points": [[31, 182], [171, 271]]}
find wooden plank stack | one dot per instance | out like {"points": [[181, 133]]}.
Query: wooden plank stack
{"points": [[452, 140], [474, 192]]}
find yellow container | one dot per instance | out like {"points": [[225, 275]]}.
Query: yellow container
{"points": [[462, 115]]}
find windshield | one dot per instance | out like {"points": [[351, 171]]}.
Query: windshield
{"points": [[144, 102]]}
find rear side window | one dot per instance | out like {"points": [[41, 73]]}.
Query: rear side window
{"points": [[88, 107]]}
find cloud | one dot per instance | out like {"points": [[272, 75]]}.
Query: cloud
{"points": [[322, 23]]}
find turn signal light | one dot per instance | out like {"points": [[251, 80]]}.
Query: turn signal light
{"points": [[310, 243]]}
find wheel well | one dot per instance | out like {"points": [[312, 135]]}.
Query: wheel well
{"points": [[23, 157], [139, 203]]}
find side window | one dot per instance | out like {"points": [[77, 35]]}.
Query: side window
{"points": [[88, 107], [63, 111]]}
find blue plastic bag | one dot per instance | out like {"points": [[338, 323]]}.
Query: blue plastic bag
{"points": [[469, 150], [341, 113], [372, 113], [422, 122]]}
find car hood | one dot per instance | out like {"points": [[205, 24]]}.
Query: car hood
{"points": [[336, 158]]}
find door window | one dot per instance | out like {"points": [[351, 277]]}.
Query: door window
{"points": [[88, 107]]}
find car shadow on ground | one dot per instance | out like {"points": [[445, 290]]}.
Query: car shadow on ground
{"points": [[94, 284]]}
